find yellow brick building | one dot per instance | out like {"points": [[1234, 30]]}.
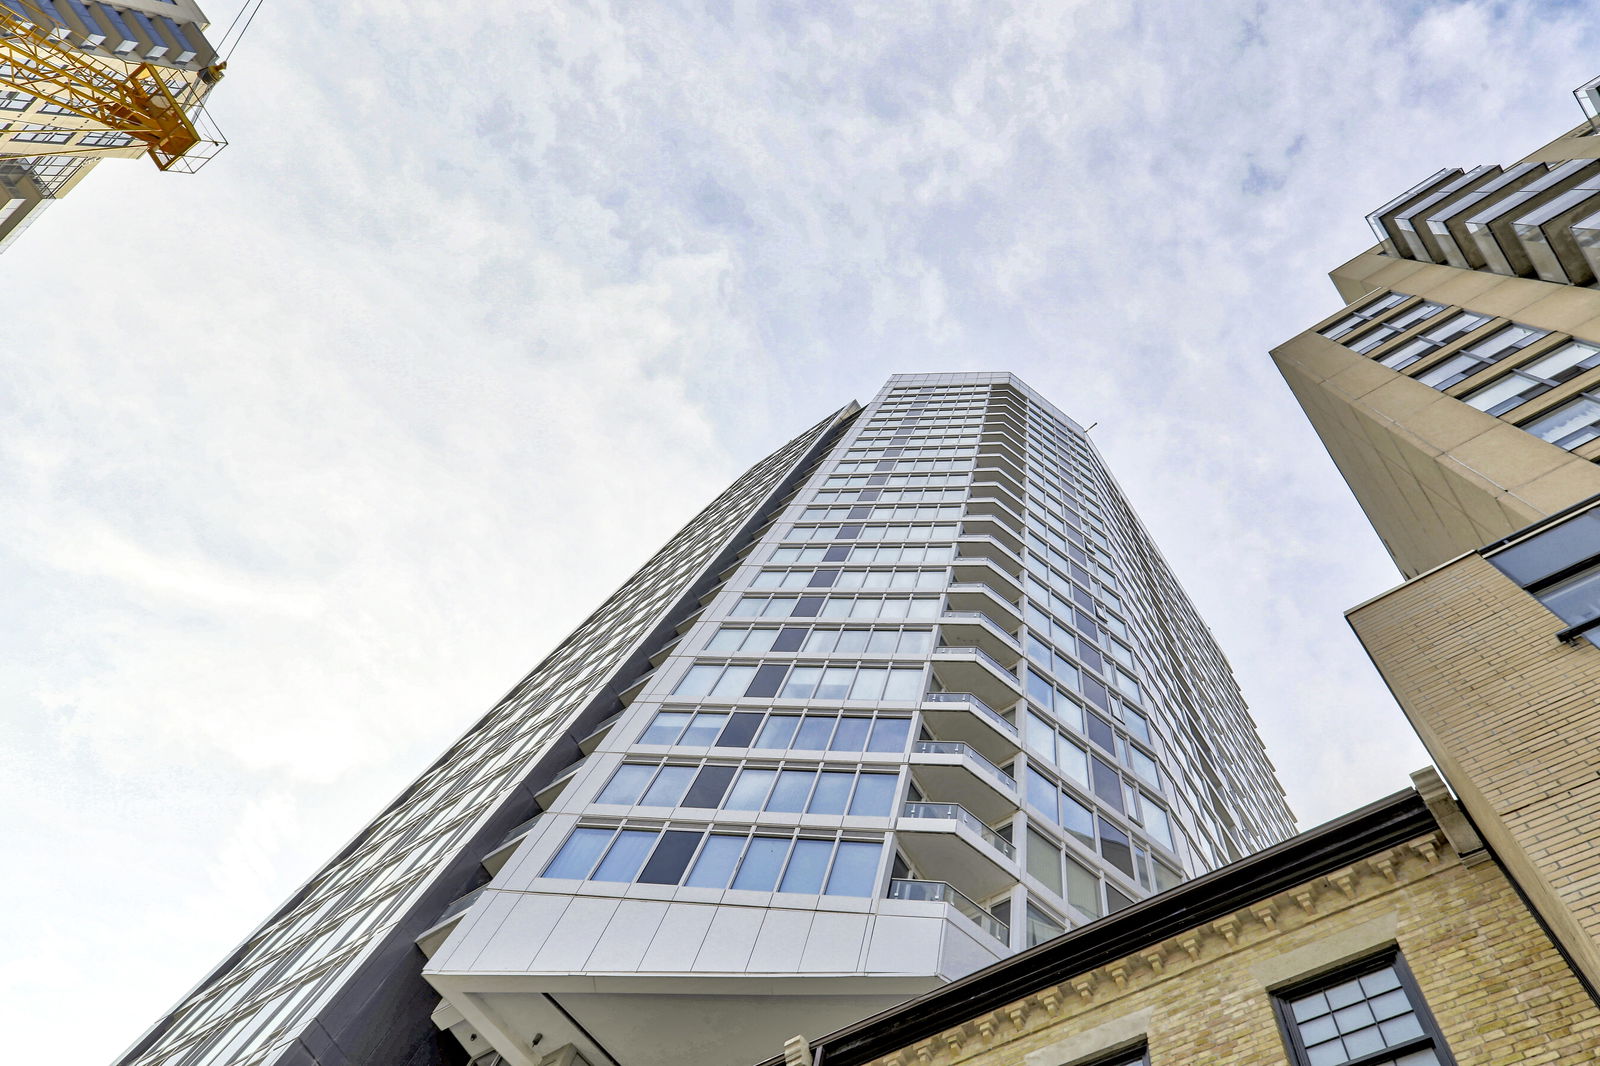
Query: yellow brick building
{"points": [[1400, 893]]}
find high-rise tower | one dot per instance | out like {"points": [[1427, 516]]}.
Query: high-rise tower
{"points": [[915, 693], [1459, 394], [165, 36]]}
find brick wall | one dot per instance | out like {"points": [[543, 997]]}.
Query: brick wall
{"points": [[1512, 717], [1499, 990]]}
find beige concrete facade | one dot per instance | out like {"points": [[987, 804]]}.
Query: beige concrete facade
{"points": [[1512, 718], [1436, 477], [1498, 989]]}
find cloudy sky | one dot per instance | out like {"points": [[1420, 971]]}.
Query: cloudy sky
{"points": [[307, 458]]}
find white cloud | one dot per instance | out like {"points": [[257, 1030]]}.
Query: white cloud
{"points": [[342, 435]]}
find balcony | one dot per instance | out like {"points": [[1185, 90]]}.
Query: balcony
{"points": [[969, 570], [995, 507], [981, 525], [943, 892], [977, 596], [975, 546], [495, 861], [986, 474], [976, 629], [959, 773], [547, 795], [963, 717], [971, 669], [997, 488], [1008, 460], [948, 839]]}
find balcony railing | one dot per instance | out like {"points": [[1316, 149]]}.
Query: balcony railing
{"points": [[940, 892], [976, 703], [954, 812], [461, 903], [956, 747], [979, 653], [980, 617]]}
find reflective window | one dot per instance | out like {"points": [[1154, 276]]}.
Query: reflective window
{"points": [[1370, 1013], [1534, 378], [1573, 423]]}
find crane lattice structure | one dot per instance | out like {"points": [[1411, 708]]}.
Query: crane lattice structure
{"points": [[38, 58]]}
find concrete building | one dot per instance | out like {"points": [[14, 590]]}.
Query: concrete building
{"points": [[168, 35], [1459, 394], [915, 694]]}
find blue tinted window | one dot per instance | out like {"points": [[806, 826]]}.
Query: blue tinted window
{"points": [[627, 854], [762, 860], [807, 864], [576, 857], [874, 795], [855, 869], [716, 862]]}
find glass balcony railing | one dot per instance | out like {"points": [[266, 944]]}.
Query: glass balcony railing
{"points": [[940, 892], [954, 812], [955, 747], [977, 704], [460, 903], [979, 653], [979, 616]]}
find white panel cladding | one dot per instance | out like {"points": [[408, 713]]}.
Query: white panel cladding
{"points": [[678, 941], [556, 933], [575, 934], [835, 943], [519, 937], [629, 934]]}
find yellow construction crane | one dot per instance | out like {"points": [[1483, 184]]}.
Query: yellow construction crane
{"points": [[39, 58]]}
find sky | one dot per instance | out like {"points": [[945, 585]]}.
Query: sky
{"points": [[308, 457]]}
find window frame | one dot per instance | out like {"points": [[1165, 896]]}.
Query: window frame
{"points": [[1432, 1037]]}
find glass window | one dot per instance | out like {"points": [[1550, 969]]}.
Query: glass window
{"points": [[1363, 1014], [626, 855], [696, 684], [851, 734], [665, 728], [790, 793], [814, 733], [670, 858], [750, 791], [874, 795], [1077, 820], [808, 862], [1042, 926], [1044, 861], [1573, 423], [855, 869], [716, 861], [868, 684], [1116, 847], [1083, 887], [778, 731], [709, 786], [703, 730], [577, 856], [905, 685], [832, 792], [889, 734], [734, 681], [762, 861], [625, 784]]}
